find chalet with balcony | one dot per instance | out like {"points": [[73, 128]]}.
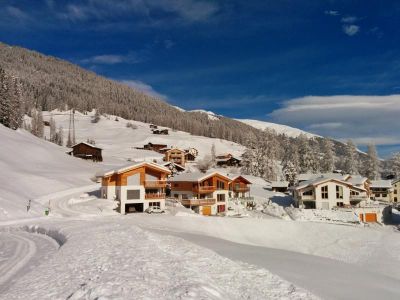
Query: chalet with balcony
{"points": [[239, 190], [154, 147], [86, 151], [205, 193], [227, 160], [328, 193], [175, 155], [381, 190], [135, 186], [396, 190]]}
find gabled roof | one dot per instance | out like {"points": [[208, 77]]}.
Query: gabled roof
{"points": [[381, 184], [196, 176], [394, 181], [130, 167], [321, 180], [234, 177], [311, 176], [87, 144], [278, 184], [357, 179], [173, 163], [175, 149]]}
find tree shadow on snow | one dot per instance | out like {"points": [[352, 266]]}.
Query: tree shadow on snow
{"points": [[96, 193]]}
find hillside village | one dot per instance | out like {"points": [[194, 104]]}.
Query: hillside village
{"points": [[79, 178]]}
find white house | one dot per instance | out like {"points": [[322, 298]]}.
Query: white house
{"points": [[135, 186], [327, 193], [381, 190]]}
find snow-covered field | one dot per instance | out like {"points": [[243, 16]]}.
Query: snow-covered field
{"points": [[88, 251]]}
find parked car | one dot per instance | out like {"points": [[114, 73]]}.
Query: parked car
{"points": [[155, 210]]}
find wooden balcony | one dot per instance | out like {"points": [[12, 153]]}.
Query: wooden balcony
{"points": [[154, 196], [241, 189], [197, 202], [205, 189], [155, 183]]}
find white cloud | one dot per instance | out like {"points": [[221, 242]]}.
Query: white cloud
{"points": [[143, 87], [16, 13], [351, 30], [111, 59], [362, 118], [332, 12], [349, 19], [184, 10]]}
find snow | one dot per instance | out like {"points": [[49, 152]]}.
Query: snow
{"points": [[211, 115], [86, 250], [279, 128], [118, 142]]}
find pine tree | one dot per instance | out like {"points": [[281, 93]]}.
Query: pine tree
{"points": [[395, 164], [351, 159], [60, 136], [372, 163], [37, 126], [213, 154], [11, 104], [307, 159], [53, 130], [290, 173], [328, 161]]}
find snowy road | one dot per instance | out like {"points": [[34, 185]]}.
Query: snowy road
{"points": [[326, 278], [21, 251]]}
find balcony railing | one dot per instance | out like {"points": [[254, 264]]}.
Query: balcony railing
{"points": [[241, 189], [205, 189], [155, 183], [197, 202], [154, 196], [241, 199], [307, 197]]}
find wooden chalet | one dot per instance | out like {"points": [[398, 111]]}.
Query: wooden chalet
{"points": [[175, 155], [86, 151], [154, 147], [227, 160], [160, 131]]}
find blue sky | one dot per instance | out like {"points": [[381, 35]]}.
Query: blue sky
{"points": [[243, 59]]}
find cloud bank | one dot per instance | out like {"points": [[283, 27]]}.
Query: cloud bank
{"points": [[143, 87], [363, 119]]}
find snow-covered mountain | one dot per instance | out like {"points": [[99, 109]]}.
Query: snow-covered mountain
{"points": [[279, 128]]}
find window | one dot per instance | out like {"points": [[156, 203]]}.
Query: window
{"points": [[354, 193], [339, 192], [339, 204], [220, 185], [220, 197], [395, 199], [395, 191], [324, 192], [133, 194], [308, 193]]}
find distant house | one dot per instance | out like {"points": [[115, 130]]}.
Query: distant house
{"points": [[135, 186], [280, 186], [311, 176], [189, 156], [206, 194], [327, 193], [154, 147], [152, 126], [396, 190], [86, 151], [160, 131], [227, 160], [381, 190], [175, 155]]}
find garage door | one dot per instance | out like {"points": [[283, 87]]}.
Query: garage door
{"points": [[370, 217], [206, 210]]}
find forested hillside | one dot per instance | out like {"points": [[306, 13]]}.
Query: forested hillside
{"points": [[50, 83]]}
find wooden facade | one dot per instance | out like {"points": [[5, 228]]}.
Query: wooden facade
{"points": [[175, 155], [86, 151]]}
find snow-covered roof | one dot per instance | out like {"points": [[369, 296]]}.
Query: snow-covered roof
{"points": [[283, 184], [173, 163], [381, 184], [131, 166], [311, 176], [196, 176], [357, 179], [394, 181], [87, 144], [320, 180]]}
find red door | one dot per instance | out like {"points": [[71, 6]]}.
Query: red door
{"points": [[221, 208]]}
